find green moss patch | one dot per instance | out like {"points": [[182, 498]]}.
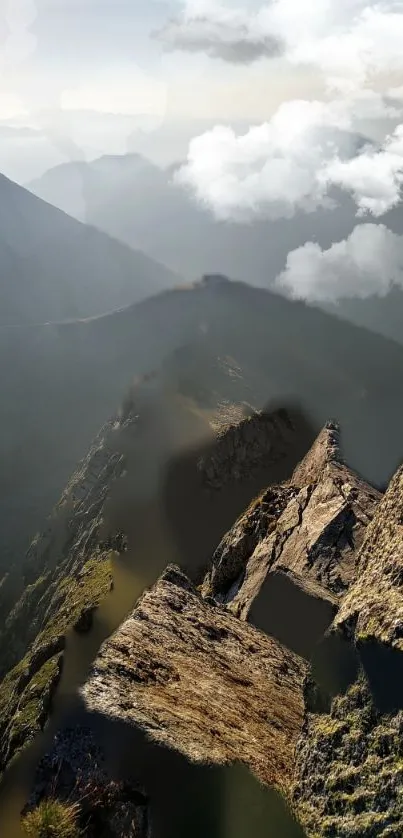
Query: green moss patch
{"points": [[350, 770], [26, 691]]}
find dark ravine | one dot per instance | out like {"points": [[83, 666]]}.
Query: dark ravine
{"points": [[208, 659]]}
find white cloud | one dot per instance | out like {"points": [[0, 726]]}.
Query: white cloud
{"points": [[270, 171], [291, 162], [373, 177], [368, 262], [348, 40]]}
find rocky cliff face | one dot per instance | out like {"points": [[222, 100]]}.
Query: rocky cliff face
{"points": [[228, 667], [66, 574]]}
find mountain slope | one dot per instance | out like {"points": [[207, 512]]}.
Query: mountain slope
{"points": [[186, 678], [141, 205], [381, 314], [55, 268], [66, 380]]}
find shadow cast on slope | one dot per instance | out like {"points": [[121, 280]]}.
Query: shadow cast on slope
{"points": [[296, 618], [183, 798], [383, 666], [199, 514]]}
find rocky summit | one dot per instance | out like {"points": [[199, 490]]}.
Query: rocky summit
{"points": [[271, 640]]}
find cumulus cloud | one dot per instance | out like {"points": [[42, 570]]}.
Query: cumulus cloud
{"points": [[368, 262], [373, 177], [291, 163], [271, 170]]}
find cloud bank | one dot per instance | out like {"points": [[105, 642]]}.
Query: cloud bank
{"points": [[293, 161], [368, 262]]}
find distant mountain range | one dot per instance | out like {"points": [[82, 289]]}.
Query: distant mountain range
{"points": [[60, 383], [54, 268], [140, 204]]}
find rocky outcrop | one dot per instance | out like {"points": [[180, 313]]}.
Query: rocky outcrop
{"points": [[202, 682]]}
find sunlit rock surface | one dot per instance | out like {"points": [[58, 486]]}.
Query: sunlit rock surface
{"points": [[202, 682], [373, 606], [304, 533]]}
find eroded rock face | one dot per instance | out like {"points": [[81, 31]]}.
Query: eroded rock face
{"points": [[308, 529], [202, 682]]}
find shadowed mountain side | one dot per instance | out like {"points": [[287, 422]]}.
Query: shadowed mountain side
{"points": [[55, 268], [141, 205], [285, 610], [209, 486], [164, 794], [66, 380]]}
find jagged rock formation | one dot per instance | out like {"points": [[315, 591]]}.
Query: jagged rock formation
{"points": [[246, 446], [307, 529]]}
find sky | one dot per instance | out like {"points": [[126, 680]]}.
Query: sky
{"points": [[270, 106], [81, 78]]}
